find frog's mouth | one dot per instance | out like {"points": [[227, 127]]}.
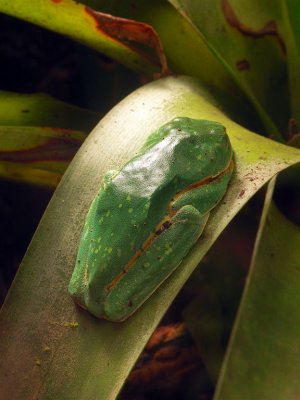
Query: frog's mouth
{"points": [[166, 222]]}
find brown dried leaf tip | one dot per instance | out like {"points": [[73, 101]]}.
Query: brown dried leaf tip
{"points": [[133, 34]]}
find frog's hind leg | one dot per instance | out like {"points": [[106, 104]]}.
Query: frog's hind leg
{"points": [[79, 280], [171, 243]]}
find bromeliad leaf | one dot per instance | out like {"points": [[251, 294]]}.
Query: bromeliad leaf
{"points": [[89, 358], [39, 136], [115, 37], [251, 40], [37, 109], [265, 339], [37, 155]]}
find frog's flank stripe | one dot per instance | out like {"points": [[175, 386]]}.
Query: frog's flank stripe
{"points": [[196, 185], [165, 223]]}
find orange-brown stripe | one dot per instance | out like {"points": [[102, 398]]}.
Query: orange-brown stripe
{"points": [[160, 227]]}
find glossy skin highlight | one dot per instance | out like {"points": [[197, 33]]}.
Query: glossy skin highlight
{"points": [[148, 215]]}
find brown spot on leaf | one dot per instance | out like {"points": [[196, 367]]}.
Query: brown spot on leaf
{"points": [[132, 34], [269, 29], [57, 1], [54, 149], [243, 65], [241, 194]]}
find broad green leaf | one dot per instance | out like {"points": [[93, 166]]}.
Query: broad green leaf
{"points": [[216, 287], [39, 136], [38, 155], [50, 348], [262, 360], [42, 110], [204, 320], [114, 37], [250, 40], [185, 50], [291, 13], [33, 176]]}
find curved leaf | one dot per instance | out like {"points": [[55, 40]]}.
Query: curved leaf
{"points": [[39, 136], [250, 40], [47, 341], [39, 109], [291, 15], [263, 354], [26, 151], [180, 40], [115, 37]]}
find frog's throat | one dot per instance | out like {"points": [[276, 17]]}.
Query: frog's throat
{"points": [[166, 223]]}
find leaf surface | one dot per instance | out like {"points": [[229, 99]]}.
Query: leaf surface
{"points": [[38, 155], [113, 36], [262, 360], [257, 41], [52, 348], [39, 109]]}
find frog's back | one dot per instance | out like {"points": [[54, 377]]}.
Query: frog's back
{"points": [[133, 202]]}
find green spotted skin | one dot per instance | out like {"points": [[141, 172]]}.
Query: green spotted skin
{"points": [[147, 216]]}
